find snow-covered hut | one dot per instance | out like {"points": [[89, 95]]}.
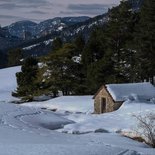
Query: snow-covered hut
{"points": [[111, 96]]}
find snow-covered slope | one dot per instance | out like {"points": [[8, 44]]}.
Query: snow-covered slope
{"points": [[83, 104], [7, 40], [32, 29], [33, 131], [27, 131], [8, 82], [19, 28], [122, 120]]}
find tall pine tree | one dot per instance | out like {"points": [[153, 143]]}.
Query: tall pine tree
{"points": [[145, 41], [14, 57], [26, 79]]}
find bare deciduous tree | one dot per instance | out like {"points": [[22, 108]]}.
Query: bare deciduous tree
{"points": [[146, 127]]}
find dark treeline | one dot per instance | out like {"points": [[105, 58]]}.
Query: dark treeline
{"points": [[120, 51], [3, 60]]}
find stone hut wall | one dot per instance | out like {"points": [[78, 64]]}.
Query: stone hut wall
{"points": [[117, 105], [110, 104]]}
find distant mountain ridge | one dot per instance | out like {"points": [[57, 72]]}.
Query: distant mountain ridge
{"points": [[7, 40], [27, 30], [36, 39]]}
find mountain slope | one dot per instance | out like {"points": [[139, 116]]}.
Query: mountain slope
{"points": [[38, 37], [27, 29], [19, 29], [84, 27], [7, 40]]}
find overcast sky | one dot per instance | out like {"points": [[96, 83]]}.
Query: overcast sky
{"points": [[39, 10]]}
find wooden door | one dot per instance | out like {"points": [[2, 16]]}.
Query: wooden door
{"points": [[103, 105]]}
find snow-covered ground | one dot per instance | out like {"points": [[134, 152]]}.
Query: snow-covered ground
{"points": [[122, 120], [30, 129], [74, 104], [8, 83]]}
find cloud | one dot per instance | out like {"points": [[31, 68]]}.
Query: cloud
{"points": [[9, 17], [5, 18], [37, 12], [12, 6], [87, 6], [90, 9], [33, 1], [5, 1], [15, 4], [8, 6], [45, 9], [26, 1]]}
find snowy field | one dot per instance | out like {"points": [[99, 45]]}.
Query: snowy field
{"points": [[7, 83], [34, 129], [74, 104]]}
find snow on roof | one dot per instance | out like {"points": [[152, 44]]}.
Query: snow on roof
{"points": [[120, 92]]}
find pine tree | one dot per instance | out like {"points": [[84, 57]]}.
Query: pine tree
{"points": [[57, 44], [14, 57], [145, 41], [3, 59], [79, 43], [119, 31], [108, 56], [26, 79], [95, 48], [100, 72], [61, 67]]}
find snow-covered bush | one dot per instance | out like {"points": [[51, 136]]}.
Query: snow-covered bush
{"points": [[133, 97]]}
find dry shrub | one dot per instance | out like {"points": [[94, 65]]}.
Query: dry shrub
{"points": [[146, 128]]}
